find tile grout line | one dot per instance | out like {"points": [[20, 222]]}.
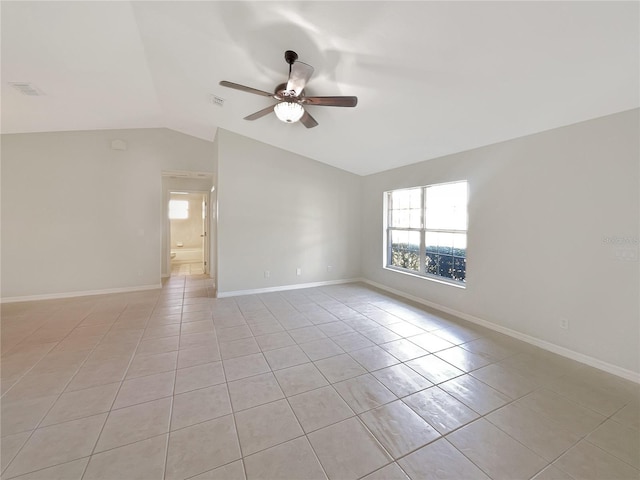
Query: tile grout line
{"points": [[124, 376], [64, 390], [286, 397], [465, 372], [45, 322], [304, 433], [136, 404], [440, 436], [397, 398], [57, 397], [394, 460], [326, 426], [358, 415], [173, 395], [48, 351], [518, 398], [233, 416]]}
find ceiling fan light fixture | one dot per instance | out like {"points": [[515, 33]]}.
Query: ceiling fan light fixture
{"points": [[289, 112], [291, 96]]}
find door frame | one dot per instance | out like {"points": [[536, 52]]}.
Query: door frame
{"points": [[206, 248]]}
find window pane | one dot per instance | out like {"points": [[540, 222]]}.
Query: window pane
{"points": [[459, 268], [460, 244], [405, 250], [178, 209], [400, 199], [447, 207], [445, 243], [415, 218], [400, 218], [431, 242], [431, 261], [406, 208], [445, 266], [415, 198], [441, 265]]}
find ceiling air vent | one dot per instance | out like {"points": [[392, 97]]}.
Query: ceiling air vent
{"points": [[216, 100], [27, 88]]}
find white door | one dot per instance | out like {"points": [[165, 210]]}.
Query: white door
{"points": [[213, 236], [205, 235]]}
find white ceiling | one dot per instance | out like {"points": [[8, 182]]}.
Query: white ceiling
{"points": [[432, 78]]}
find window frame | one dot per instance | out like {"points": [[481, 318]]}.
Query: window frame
{"points": [[423, 231]]}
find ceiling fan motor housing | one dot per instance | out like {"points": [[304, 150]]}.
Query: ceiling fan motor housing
{"points": [[290, 56]]}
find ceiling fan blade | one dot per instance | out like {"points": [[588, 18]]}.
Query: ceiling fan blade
{"points": [[299, 76], [260, 113], [331, 101], [243, 88], [308, 121]]}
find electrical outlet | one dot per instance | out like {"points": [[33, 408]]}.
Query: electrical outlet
{"points": [[329, 268], [564, 323], [267, 274], [298, 271]]}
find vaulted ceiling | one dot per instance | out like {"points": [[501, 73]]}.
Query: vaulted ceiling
{"points": [[432, 78]]}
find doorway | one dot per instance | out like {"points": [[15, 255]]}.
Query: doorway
{"points": [[188, 233]]}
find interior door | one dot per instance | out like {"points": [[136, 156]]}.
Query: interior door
{"points": [[205, 236]]}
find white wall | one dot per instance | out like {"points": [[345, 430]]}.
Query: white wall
{"points": [[542, 209], [78, 216], [278, 211]]}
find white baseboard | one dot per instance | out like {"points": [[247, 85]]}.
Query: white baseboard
{"points": [[86, 293], [281, 288], [565, 352]]}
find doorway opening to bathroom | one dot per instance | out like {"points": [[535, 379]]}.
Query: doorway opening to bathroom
{"points": [[188, 233]]}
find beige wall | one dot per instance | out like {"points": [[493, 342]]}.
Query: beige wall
{"points": [[542, 211], [278, 211], [93, 216]]}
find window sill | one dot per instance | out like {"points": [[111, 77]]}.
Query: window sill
{"points": [[431, 278]]}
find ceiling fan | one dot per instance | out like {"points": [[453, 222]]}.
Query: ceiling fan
{"points": [[290, 96]]}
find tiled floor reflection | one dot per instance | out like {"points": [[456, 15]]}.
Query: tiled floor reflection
{"points": [[340, 382], [180, 268]]}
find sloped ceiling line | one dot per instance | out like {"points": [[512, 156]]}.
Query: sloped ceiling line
{"points": [[432, 78]]}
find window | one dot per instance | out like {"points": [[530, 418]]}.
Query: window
{"points": [[426, 230], [178, 209]]}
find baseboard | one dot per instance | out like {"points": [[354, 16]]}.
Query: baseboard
{"points": [[281, 288], [86, 293], [565, 352]]}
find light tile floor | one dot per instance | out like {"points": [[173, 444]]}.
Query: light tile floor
{"points": [[343, 382], [179, 268]]}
